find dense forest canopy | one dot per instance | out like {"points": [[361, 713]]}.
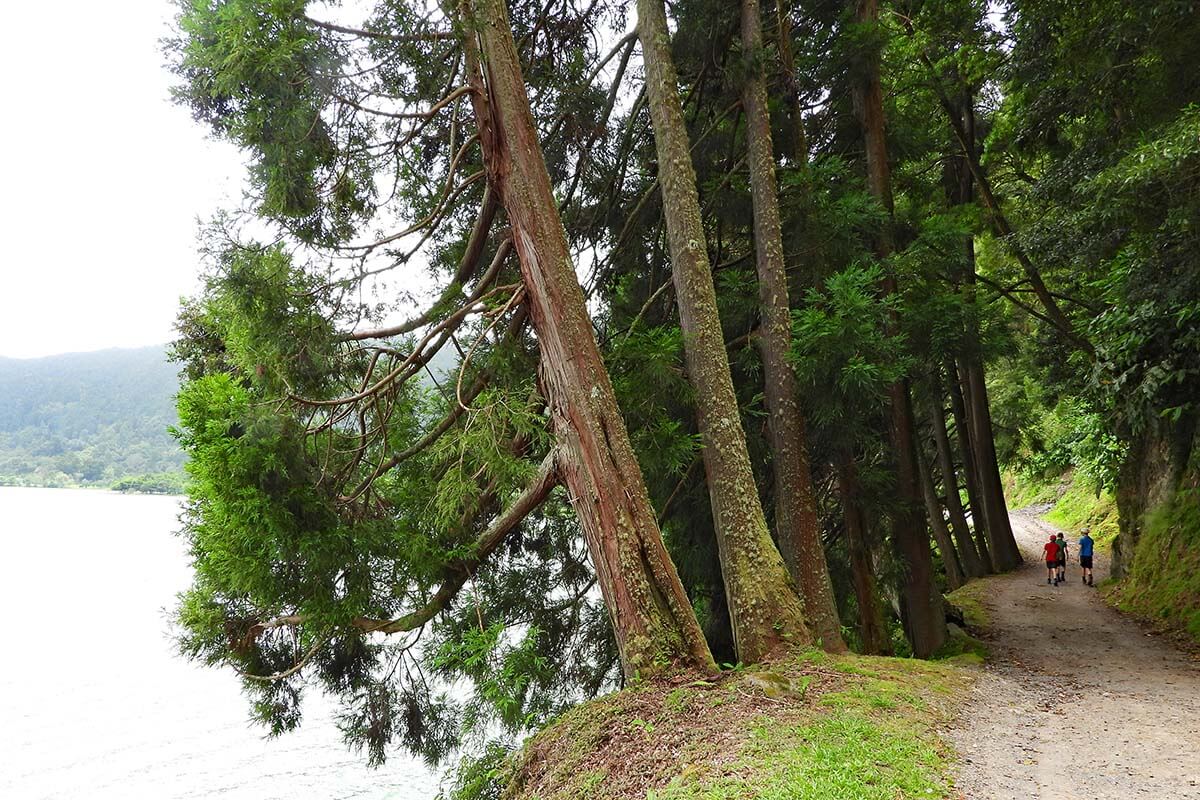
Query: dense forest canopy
{"points": [[748, 307], [88, 418]]}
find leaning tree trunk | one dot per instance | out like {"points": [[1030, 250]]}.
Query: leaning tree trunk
{"points": [[765, 609], [961, 117], [924, 620], [1001, 542], [972, 561], [655, 626], [796, 525], [1002, 545], [871, 628], [937, 524], [966, 450]]}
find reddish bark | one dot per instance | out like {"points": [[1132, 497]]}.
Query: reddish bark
{"points": [[921, 606], [872, 632], [655, 626]]}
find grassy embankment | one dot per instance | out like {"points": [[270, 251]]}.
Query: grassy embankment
{"points": [[1163, 584], [814, 726]]}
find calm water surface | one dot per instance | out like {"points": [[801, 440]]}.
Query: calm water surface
{"points": [[94, 702]]}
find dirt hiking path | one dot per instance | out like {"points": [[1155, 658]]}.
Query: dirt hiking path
{"points": [[1077, 701]]}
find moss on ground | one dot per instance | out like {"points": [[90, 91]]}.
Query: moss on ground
{"points": [[969, 600], [811, 726]]}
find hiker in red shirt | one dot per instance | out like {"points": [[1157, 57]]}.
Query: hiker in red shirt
{"points": [[1051, 548]]}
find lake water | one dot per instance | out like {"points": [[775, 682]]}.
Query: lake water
{"points": [[94, 702]]}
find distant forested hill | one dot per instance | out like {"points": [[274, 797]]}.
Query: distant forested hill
{"points": [[87, 418]]}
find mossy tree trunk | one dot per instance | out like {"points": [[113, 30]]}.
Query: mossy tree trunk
{"points": [[655, 625], [764, 607], [921, 606], [797, 527]]}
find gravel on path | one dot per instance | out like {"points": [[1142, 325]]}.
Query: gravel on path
{"points": [[1077, 701]]}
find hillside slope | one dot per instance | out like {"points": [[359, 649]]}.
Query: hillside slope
{"points": [[87, 418]]}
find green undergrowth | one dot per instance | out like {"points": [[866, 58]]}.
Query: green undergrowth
{"points": [[1075, 503], [962, 648], [1083, 505], [962, 645], [1021, 492], [812, 726], [1163, 581]]}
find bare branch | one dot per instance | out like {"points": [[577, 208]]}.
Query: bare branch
{"points": [[423, 115], [456, 412], [449, 324], [466, 360], [431, 36], [467, 266]]}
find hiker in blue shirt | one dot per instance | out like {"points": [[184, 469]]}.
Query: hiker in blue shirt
{"points": [[1086, 546]]}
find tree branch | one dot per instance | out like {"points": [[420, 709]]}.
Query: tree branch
{"points": [[432, 36], [467, 266]]}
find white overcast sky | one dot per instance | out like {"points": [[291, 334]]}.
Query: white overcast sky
{"points": [[104, 179]]}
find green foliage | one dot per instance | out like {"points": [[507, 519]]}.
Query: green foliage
{"points": [[1053, 440], [843, 356], [267, 320], [481, 777], [160, 483], [260, 76], [284, 519], [1113, 165], [654, 357]]}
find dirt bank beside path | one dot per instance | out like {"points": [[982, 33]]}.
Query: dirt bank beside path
{"points": [[1078, 701]]}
